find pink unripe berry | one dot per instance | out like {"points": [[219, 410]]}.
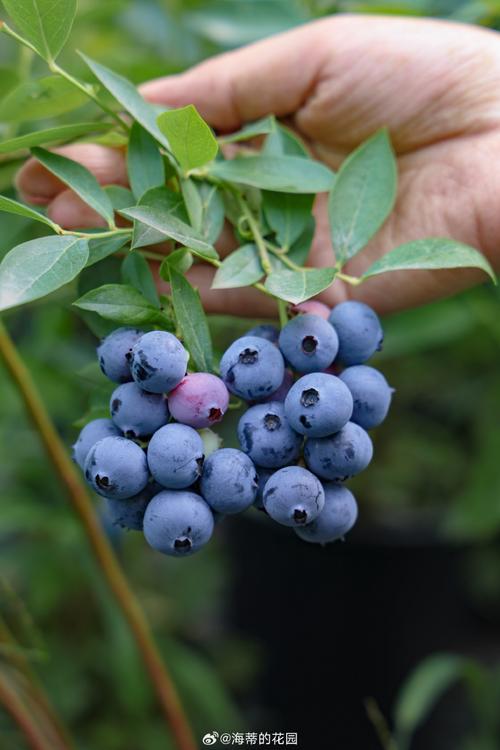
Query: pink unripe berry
{"points": [[312, 306], [200, 400]]}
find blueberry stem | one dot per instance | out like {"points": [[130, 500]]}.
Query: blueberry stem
{"points": [[353, 280], [255, 229], [283, 312], [101, 548], [34, 735]]}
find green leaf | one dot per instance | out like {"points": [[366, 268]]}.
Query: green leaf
{"points": [[13, 207], [298, 286], [192, 321], [44, 23], [39, 267], [180, 259], [144, 162], [363, 195], [259, 127], [163, 200], [121, 303], [287, 215], [170, 227], [52, 135], [136, 272], [127, 95], [50, 96], [102, 247], [283, 142], [212, 211], [284, 174], [120, 197], [422, 690], [191, 141], [192, 201], [241, 268], [79, 179], [300, 249], [9, 78], [431, 253]]}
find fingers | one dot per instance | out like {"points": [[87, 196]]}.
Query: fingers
{"points": [[271, 76], [39, 186], [70, 212]]}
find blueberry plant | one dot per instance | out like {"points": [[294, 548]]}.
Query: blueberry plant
{"points": [[311, 398]]}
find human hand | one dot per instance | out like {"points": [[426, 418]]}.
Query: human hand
{"points": [[434, 84]]}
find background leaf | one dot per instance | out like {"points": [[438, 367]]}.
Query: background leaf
{"points": [[102, 247], [13, 207], [180, 259], [431, 253], [171, 227], [191, 141], [212, 211], [136, 272], [79, 179], [45, 97], [51, 135], [298, 286], [284, 174], [120, 302], [44, 23], [127, 95], [191, 320], [283, 142], [287, 215], [164, 200], [241, 268], [362, 196], [253, 129], [38, 267], [144, 162]]}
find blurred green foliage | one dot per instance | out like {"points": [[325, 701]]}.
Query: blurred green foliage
{"points": [[436, 474]]}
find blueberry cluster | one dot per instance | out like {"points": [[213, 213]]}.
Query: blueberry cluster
{"points": [[300, 437]]}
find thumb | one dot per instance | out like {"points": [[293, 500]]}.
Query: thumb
{"points": [[271, 76]]}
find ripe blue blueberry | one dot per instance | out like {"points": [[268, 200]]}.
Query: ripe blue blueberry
{"points": [[335, 520], [129, 513], [359, 331], [229, 481], [175, 456], [159, 361], [264, 434], [200, 400], [137, 413], [265, 331], [116, 467], [262, 476], [293, 496], [318, 404], [339, 456], [252, 368], [90, 435], [115, 353], [371, 393], [309, 343], [178, 522]]}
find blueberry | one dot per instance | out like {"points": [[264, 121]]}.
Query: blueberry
{"points": [[262, 476], [178, 522], [264, 433], [137, 413], [159, 362], [335, 520], [318, 405], [293, 496], [116, 467], [229, 481], [89, 436], [252, 368], [129, 513], [371, 393], [175, 456], [282, 391], [339, 456], [312, 306], [265, 331], [200, 400], [359, 331], [115, 353], [309, 343]]}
